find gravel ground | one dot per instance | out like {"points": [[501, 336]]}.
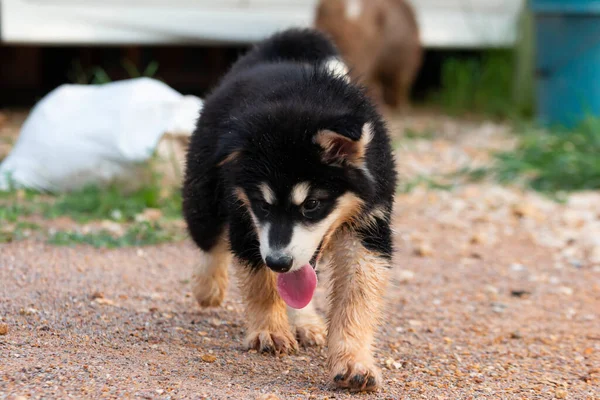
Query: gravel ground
{"points": [[496, 295]]}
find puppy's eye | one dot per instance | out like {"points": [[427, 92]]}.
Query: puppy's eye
{"points": [[264, 206], [310, 205]]}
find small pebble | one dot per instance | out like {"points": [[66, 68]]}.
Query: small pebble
{"points": [[516, 267], [498, 307], [391, 364], [405, 276], [561, 393], [491, 289], [478, 238], [269, 396], [519, 293], [104, 302], [97, 295], [567, 291], [28, 311], [516, 335], [3, 329], [423, 250], [209, 358]]}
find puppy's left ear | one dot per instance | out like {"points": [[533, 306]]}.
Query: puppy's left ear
{"points": [[340, 149]]}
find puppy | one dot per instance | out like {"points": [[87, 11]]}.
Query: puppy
{"points": [[379, 40], [291, 162]]}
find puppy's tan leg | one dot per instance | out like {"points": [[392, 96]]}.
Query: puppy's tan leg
{"points": [[210, 278], [268, 328], [359, 279], [307, 325]]}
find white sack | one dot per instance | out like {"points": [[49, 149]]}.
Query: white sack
{"points": [[91, 134]]}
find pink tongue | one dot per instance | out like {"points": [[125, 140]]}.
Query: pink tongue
{"points": [[297, 288]]}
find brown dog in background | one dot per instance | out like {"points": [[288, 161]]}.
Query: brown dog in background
{"points": [[379, 40]]}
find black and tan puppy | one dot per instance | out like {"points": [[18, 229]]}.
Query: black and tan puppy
{"points": [[290, 162]]}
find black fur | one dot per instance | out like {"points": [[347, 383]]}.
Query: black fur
{"points": [[268, 107]]}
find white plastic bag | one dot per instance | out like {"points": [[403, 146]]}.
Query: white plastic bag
{"points": [[91, 134]]}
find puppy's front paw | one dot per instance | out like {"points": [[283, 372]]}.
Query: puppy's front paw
{"points": [[351, 373], [278, 342], [311, 334]]}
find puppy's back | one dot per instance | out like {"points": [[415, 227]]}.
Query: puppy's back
{"points": [[305, 46]]}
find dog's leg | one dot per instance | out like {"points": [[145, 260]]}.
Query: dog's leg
{"points": [[307, 325], [359, 278], [210, 278], [399, 88], [268, 327], [375, 90]]}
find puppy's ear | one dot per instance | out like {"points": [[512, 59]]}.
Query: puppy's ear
{"points": [[340, 149]]}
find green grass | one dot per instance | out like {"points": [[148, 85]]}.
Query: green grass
{"points": [[95, 203], [556, 160], [553, 162], [97, 75], [138, 234], [433, 183], [499, 83], [412, 134], [90, 204], [482, 85], [20, 231]]}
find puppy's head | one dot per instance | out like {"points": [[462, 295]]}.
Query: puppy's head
{"points": [[299, 184]]}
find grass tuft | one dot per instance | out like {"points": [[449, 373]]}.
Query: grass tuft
{"points": [[139, 234], [497, 83], [94, 204], [552, 162], [557, 160]]}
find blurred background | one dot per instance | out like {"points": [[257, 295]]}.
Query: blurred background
{"points": [[509, 86], [190, 43]]}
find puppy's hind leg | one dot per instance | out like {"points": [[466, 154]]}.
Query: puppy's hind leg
{"points": [[210, 277], [307, 325], [206, 220]]}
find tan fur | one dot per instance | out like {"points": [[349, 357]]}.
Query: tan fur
{"points": [[210, 278], [307, 325], [381, 45], [339, 147], [267, 321], [348, 206], [267, 193], [300, 192], [370, 219], [243, 198], [358, 282]]}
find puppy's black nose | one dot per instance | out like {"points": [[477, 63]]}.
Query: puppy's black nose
{"points": [[279, 263]]}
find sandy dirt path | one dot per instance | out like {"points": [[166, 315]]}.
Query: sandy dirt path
{"points": [[475, 321]]}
